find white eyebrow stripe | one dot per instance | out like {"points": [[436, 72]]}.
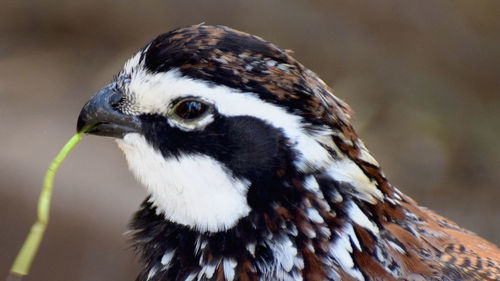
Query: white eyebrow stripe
{"points": [[152, 93]]}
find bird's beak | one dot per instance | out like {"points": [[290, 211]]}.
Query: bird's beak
{"points": [[100, 117]]}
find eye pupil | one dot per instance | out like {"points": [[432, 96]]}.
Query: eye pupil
{"points": [[190, 109]]}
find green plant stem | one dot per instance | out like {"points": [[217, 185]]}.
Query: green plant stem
{"points": [[24, 258]]}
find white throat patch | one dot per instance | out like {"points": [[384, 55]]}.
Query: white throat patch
{"points": [[192, 190]]}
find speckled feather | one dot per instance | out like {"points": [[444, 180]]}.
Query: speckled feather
{"points": [[343, 222]]}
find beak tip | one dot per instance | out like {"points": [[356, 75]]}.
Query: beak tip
{"points": [[82, 125], [79, 125]]}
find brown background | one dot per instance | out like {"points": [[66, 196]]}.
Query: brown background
{"points": [[422, 77]]}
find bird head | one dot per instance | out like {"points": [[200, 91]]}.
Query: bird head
{"points": [[216, 123], [232, 136]]}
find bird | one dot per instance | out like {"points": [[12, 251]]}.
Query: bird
{"points": [[254, 171]]}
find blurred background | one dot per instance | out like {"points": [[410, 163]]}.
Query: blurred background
{"points": [[423, 78]]}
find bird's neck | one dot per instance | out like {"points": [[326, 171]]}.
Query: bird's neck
{"points": [[309, 230], [262, 243]]}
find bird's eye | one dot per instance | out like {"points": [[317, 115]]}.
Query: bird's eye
{"points": [[190, 109], [190, 114]]}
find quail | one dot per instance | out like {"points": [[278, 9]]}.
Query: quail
{"points": [[255, 172]]}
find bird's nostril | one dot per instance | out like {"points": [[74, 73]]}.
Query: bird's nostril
{"points": [[115, 100]]}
